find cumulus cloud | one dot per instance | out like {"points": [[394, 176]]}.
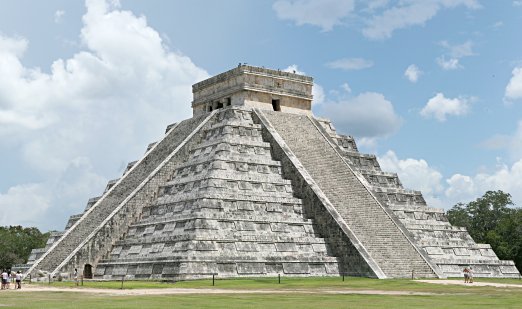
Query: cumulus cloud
{"points": [[350, 64], [514, 87], [412, 73], [444, 192], [322, 13], [451, 59], [504, 177], [91, 114], [460, 50], [448, 64], [415, 174], [439, 107], [368, 115], [409, 13]]}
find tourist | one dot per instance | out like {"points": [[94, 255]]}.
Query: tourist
{"points": [[466, 275], [470, 274], [76, 276], [8, 279], [18, 280], [4, 279]]}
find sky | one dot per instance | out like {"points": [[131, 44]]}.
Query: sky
{"points": [[433, 88]]}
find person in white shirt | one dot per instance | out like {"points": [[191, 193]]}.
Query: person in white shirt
{"points": [[18, 280], [8, 279], [4, 279]]}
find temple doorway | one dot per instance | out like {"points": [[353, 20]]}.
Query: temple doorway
{"points": [[87, 271]]}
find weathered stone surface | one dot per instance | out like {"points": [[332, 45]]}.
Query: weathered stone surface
{"points": [[243, 191]]}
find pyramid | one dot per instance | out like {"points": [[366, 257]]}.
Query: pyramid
{"points": [[255, 185]]}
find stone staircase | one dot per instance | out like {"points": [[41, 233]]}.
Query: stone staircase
{"points": [[451, 248], [378, 232], [95, 217]]}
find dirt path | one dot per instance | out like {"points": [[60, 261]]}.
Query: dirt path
{"points": [[181, 291], [458, 282]]}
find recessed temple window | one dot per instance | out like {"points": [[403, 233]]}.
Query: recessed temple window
{"points": [[219, 105], [276, 105], [228, 102]]}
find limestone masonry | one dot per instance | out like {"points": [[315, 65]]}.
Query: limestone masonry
{"points": [[255, 185]]}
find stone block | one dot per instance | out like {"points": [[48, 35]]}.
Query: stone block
{"points": [[206, 246], [251, 268], [136, 249], [317, 269], [246, 246], [286, 247], [296, 268]]}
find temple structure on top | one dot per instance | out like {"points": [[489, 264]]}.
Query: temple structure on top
{"points": [[254, 185], [255, 88]]}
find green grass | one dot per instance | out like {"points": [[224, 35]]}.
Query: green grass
{"points": [[310, 295], [289, 283]]}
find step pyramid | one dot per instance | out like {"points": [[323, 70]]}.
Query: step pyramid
{"points": [[255, 185]]}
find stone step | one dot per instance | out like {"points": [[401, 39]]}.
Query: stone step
{"points": [[376, 230]]}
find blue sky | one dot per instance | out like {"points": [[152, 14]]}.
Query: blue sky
{"points": [[432, 87]]}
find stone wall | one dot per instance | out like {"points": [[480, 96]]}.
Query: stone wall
{"points": [[102, 222]]}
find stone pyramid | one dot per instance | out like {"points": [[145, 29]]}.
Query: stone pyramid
{"points": [[254, 185]]}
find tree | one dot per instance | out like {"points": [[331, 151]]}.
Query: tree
{"points": [[16, 243], [490, 219]]}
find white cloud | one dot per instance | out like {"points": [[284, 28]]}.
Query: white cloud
{"points": [[504, 177], [317, 90], [368, 115], [376, 4], [448, 64], [412, 73], [517, 3], [58, 16], [415, 174], [350, 64], [451, 59], [514, 87], [24, 205], [460, 50], [409, 13], [48, 204], [346, 87], [322, 13], [439, 107], [92, 113], [443, 192], [512, 143]]}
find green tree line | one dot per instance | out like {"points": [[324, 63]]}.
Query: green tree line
{"points": [[16, 243], [492, 219]]}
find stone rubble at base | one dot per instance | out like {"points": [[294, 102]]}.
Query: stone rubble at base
{"points": [[255, 185]]}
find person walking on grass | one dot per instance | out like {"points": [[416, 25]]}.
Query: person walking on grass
{"points": [[8, 279], [470, 275], [4, 279], [76, 276], [18, 280], [466, 275]]}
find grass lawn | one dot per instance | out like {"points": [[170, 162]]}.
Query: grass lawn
{"points": [[310, 297]]}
